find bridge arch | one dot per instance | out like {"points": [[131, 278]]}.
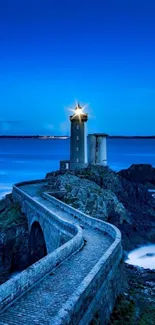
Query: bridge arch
{"points": [[37, 244]]}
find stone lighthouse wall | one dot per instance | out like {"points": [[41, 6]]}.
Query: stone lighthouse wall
{"points": [[78, 144]]}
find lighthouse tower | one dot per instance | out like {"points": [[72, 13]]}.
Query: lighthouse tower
{"points": [[78, 139]]}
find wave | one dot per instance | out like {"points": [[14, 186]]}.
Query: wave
{"points": [[143, 256]]}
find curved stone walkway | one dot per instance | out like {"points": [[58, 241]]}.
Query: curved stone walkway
{"points": [[40, 304]]}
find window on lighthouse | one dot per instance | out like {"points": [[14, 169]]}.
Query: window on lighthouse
{"points": [[77, 127], [77, 160], [77, 148], [77, 138]]}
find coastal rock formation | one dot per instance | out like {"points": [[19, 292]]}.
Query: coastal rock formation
{"points": [[104, 194], [140, 173], [14, 248], [136, 304], [88, 197]]}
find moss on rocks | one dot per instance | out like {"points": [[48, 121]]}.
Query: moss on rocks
{"points": [[136, 304], [124, 311], [14, 246], [89, 197], [10, 213]]}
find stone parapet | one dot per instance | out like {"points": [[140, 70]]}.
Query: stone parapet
{"points": [[17, 286]]}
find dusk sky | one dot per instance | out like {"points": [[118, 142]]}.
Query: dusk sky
{"points": [[53, 52]]}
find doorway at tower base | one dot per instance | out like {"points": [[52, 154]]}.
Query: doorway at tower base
{"points": [[67, 165], [64, 165]]}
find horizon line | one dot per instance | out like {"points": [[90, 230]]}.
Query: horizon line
{"points": [[68, 136]]}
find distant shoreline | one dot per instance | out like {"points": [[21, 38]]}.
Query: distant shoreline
{"points": [[131, 137], [42, 137], [65, 137]]}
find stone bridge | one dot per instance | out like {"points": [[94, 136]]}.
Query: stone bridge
{"points": [[79, 277]]}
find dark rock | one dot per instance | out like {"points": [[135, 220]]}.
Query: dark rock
{"points": [[89, 197], [136, 303], [140, 173], [14, 247], [137, 201], [147, 255]]}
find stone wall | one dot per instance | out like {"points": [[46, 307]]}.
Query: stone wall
{"points": [[53, 228], [17, 286], [95, 297]]}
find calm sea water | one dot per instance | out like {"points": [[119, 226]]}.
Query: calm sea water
{"points": [[24, 159]]}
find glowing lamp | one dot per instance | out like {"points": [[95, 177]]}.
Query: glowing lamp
{"points": [[78, 112]]}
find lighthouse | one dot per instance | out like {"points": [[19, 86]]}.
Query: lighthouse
{"points": [[96, 148], [78, 139]]}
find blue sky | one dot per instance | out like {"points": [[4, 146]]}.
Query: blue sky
{"points": [[54, 52]]}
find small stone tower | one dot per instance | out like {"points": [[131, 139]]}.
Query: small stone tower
{"points": [[78, 139], [97, 149]]}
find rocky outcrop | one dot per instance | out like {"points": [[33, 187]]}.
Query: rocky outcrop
{"points": [[104, 194], [137, 201], [136, 304], [140, 173], [89, 197], [14, 248]]}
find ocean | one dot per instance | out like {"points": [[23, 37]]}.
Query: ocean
{"points": [[25, 159]]}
